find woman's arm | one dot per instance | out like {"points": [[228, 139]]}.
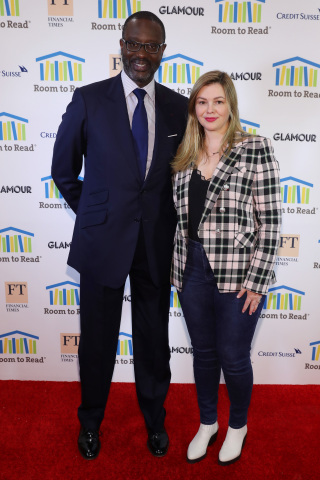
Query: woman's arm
{"points": [[267, 210]]}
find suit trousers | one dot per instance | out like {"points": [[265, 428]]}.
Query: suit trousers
{"points": [[100, 317], [221, 337]]}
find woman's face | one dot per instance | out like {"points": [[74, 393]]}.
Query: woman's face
{"points": [[212, 109]]}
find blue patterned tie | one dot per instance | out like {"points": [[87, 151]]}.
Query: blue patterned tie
{"points": [[140, 131]]}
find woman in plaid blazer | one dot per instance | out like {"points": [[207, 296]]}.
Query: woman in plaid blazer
{"points": [[227, 195]]}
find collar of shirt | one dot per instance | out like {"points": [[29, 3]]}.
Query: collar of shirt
{"points": [[129, 86]]}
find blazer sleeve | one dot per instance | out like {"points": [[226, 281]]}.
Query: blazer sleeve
{"points": [[69, 148], [267, 209]]}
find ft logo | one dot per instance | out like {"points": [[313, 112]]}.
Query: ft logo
{"points": [[115, 64], [60, 7], [16, 292], [289, 245]]}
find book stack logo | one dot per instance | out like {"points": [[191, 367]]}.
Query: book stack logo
{"points": [[16, 342], [12, 127], [296, 72], [118, 8], [60, 67], [179, 69], [10, 8], [14, 240], [250, 127], [240, 12]]}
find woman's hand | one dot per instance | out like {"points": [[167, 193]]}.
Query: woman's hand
{"points": [[252, 300]]}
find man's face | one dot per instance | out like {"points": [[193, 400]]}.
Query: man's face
{"points": [[141, 66]]}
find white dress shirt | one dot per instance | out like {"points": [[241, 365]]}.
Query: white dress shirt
{"points": [[149, 103]]}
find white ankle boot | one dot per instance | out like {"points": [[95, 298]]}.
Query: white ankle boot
{"points": [[206, 435], [232, 446]]}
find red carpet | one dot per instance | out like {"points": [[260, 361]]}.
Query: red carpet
{"points": [[39, 429]]}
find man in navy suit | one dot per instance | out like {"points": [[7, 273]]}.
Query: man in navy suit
{"points": [[125, 224]]}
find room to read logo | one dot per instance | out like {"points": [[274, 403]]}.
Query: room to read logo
{"points": [[296, 195], [293, 73], [15, 240], [52, 195], [11, 10], [283, 298], [124, 349], [50, 189], [124, 344], [16, 343], [118, 9], [115, 10], [249, 127], [240, 13], [286, 302], [175, 306], [65, 294], [315, 356], [12, 127], [294, 190], [59, 67], [179, 69]]}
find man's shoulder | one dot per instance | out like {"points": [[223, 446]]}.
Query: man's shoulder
{"points": [[101, 86], [171, 95]]}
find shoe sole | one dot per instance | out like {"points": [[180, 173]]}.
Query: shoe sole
{"points": [[233, 460], [211, 441]]}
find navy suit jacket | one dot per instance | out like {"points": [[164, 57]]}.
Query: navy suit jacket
{"points": [[111, 202]]}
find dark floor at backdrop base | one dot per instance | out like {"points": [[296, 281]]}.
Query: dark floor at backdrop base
{"points": [[39, 429]]}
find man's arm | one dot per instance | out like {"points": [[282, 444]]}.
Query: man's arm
{"points": [[69, 148]]}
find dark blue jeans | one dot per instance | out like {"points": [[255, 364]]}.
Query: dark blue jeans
{"points": [[221, 337]]}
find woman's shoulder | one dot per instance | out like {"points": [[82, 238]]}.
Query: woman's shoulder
{"points": [[255, 141]]}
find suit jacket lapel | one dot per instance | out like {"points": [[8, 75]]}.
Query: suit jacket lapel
{"points": [[220, 178], [165, 124], [115, 104]]}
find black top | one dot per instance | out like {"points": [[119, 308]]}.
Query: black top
{"points": [[197, 196]]}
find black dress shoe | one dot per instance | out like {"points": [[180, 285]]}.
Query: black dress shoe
{"points": [[158, 443], [89, 443]]}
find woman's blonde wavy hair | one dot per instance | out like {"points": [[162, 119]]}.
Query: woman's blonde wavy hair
{"points": [[192, 143]]}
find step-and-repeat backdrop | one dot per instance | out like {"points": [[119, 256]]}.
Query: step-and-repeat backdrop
{"points": [[51, 47]]}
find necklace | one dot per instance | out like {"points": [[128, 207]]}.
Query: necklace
{"points": [[213, 153]]}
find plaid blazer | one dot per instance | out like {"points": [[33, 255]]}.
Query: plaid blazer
{"points": [[240, 224]]}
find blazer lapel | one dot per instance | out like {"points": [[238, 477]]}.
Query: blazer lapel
{"points": [[182, 195], [220, 178], [115, 104]]}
